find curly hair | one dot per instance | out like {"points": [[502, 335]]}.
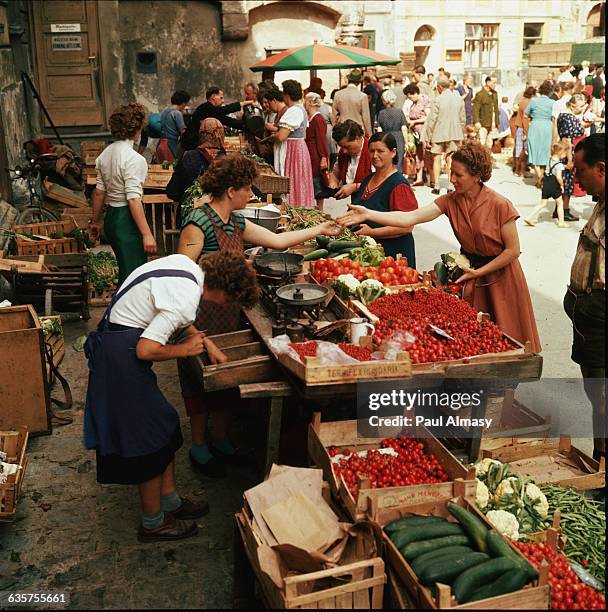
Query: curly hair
{"points": [[236, 171], [476, 158], [546, 88], [293, 89], [411, 89], [127, 120], [228, 271]]}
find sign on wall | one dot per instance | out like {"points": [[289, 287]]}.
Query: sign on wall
{"points": [[66, 43], [62, 28]]}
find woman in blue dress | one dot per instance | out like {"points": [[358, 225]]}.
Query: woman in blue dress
{"points": [[540, 130], [392, 120], [386, 190]]}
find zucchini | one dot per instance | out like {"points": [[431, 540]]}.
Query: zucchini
{"points": [[323, 241], [411, 521], [339, 245], [445, 570], [499, 547], [317, 254], [513, 580], [474, 528], [426, 532], [475, 577], [340, 256], [415, 549], [422, 560]]}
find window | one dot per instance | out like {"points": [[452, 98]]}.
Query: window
{"points": [[481, 45], [533, 32], [453, 55], [367, 40]]}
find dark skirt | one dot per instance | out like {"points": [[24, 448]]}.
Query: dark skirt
{"points": [[114, 469]]}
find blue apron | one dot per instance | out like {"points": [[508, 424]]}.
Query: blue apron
{"points": [[380, 201], [125, 412]]}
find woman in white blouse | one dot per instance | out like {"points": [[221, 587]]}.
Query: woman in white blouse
{"points": [[121, 173], [134, 430], [291, 157]]}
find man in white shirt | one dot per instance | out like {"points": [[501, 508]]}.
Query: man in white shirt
{"points": [[132, 427], [564, 92], [565, 75]]}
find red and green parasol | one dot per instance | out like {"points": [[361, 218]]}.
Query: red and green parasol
{"points": [[322, 57]]}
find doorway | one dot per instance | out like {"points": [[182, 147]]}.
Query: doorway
{"points": [[66, 41]]}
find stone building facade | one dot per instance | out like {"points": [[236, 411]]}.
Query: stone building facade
{"points": [[88, 56]]}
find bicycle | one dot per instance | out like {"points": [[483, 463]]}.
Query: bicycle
{"points": [[35, 212]]}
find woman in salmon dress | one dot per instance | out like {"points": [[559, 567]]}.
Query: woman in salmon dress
{"points": [[483, 221]]}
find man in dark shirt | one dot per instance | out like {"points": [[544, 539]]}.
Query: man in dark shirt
{"points": [[213, 107], [598, 82], [372, 96]]}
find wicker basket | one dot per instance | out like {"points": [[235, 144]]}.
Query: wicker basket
{"points": [[274, 184], [54, 246], [13, 443]]}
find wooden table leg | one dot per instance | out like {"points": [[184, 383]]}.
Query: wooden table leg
{"points": [[274, 432], [243, 585], [477, 412]]}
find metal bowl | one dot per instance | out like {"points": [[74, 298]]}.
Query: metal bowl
{"points": [[265, 218], [302, 294]]}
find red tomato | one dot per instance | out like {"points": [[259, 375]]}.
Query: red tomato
{"points": [[369, 275], [402, 262], [389, 270], [385, 278]]}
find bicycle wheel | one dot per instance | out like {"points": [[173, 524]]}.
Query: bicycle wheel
{"points": [[36, 215]]}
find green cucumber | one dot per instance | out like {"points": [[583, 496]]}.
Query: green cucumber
{"points": [[447, 569], [415, 549], [339, 245], [475, 577], [422, 560], [411, 521], [323, 241], [499, 547], [317, 254], [340, 256], [511, 581], [473, 526], [426, 532]]}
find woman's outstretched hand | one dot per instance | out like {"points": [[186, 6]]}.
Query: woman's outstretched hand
{"points": [[355, 216]]}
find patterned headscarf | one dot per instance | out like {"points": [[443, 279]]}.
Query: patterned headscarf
{"points": [[211, 134]]}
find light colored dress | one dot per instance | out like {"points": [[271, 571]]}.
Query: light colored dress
{"points": [[540, 132], [503, 294], [291, 158]]}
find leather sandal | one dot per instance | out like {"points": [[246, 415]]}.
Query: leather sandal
{"points": [[189, 510], [171, 529]]}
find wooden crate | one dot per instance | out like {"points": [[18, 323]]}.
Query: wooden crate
{"points": [[101, 297], [233, 144], [551, 462], [534, 596], [248, 362], [313, 373], [161, 214], [75, 199], [56, 344], [52, 246], [82, 216], [357, 585], [23, 389], [14, 444], [273, 183], [344, 434]]}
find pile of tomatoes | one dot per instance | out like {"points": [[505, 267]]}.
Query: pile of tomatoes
{"points": [[309, 349], [414, 311], [390, 272], [410, 466], [568, 592]]}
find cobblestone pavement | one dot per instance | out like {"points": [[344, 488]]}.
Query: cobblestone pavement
{"points": [[84, 542]]}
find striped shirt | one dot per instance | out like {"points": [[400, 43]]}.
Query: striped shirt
{"points": [[201, 218]]}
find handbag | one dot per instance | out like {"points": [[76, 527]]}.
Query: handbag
{"points": [[409, 165]]}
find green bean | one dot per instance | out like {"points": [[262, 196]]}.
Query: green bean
{"points": [[583, 524]]}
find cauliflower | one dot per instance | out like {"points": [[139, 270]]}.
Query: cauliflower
{"points": [[350, 281], [368, 241], [504, 522], [482, 496], [538, 499], [506, 488], [481, 467]]}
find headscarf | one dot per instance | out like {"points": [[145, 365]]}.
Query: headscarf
{"points": [[211, 138]]}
